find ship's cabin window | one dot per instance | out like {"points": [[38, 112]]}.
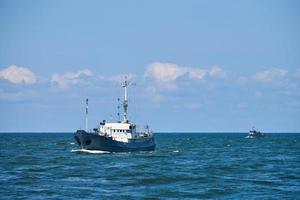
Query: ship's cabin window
{"points": [[121, 130]]}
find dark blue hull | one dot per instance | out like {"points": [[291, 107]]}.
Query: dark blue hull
{"points": [[91, 141]]}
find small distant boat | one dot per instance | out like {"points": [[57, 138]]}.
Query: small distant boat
{"points": [[255, 133], [120, 136]]}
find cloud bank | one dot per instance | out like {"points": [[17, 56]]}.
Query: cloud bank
{"points": [[70, 78], [18, 75], [160, 81], [270, 75], [166, 74], [170, 72]]}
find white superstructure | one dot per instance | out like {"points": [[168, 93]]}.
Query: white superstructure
{"points": [[122, 131]]}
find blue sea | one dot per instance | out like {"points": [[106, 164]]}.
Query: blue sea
{"points": [[183, 166]]}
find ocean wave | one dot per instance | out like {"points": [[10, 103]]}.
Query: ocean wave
{"points": [[89, 151]]}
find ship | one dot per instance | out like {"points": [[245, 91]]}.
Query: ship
{"points": [[118, 136], [255, 133]]}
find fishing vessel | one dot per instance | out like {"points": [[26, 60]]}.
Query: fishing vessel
{"points": [[119, 136], [255, 133]]}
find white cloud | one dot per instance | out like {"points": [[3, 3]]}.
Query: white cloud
{"points": [[166, 74], [70, 78], [197, 74], [216, 72], [171, 72], [18, 75], [164, 71], [270, 75]]}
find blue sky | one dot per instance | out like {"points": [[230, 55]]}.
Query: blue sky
{"points": [[198, 65]]}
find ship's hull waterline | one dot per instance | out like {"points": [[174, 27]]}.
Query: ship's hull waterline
{"points": [[91, 141]]}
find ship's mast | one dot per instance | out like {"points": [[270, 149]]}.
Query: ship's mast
{"points": [[125, 102], [118, 110], [86, 114]]}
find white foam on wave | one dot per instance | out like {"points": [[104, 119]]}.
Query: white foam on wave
{"points": [[89, 151], [176, 151], [72, 143]]}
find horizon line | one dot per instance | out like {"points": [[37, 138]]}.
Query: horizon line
{"points": [[164, 132]]}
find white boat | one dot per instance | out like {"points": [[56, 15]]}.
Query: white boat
{"points": [[255, 133]]}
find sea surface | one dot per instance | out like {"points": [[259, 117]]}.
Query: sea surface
{"points": [[183, 166]]}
